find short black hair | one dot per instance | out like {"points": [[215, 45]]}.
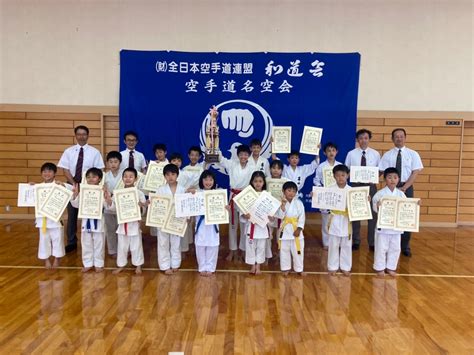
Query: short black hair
{"points": [[113, 154], [363, 131], [289, 185], [255, 141], [130, 133], [81, 127], [132, 170], [49, 166], [170, 168], [206, 174], [256, 174], [276, 162], [340, 167], [329, 145], [294, 152], [159, 146], [195, 148], [390, 170], [243, 148], [95, 171], [399, 129], [176, 156]]}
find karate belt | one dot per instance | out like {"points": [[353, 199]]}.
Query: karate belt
{"points": [[234, 192], [88, 224], [341, 213], [294, 222], [44, 224], [201, 218], [252, 232]]}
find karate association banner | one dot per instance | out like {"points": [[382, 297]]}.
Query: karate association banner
{"points": [[165, 96]]}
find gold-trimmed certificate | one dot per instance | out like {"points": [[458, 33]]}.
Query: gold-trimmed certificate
{"points": [[311, 140], [154, 177], [329, 198], [281, 139], [56, 202], [386, 214], [26, 195], [126, 203], [265, 205], [215, 202], [365, 174], [408, 215], [188, 204], [328, 177], [245, 199], [157, 210], [275, 187], [174, 225], [358, 204], [91, 201], [41, 192]]}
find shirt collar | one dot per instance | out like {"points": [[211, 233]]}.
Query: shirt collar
{"points": [[83, 146]]}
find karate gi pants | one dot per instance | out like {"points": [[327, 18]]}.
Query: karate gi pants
{"points": [[387, 251], [324, 228], [255, 251], [288, 252], [233, 231], [93, 248], [111, 232], [340, 253], [169, 251], [207, 258], [50, 243], [132, 243]]}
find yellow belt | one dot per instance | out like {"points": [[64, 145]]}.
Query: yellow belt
{"points": [[341, 213], [294, 222], [43, 225]]}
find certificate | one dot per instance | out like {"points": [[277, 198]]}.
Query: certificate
{"points": [[41, 192], [56, 202], [311, 140], [265, 205], [281, 139], [358, 204], [328, 177], [157, 210], [245, 199], [275, 187], [26, 195], [91, 201], [126, 203], [215, 202], [387, 212], [154, 177], [174, 225], [408, 215], [329, 198], [365, 174], [188, 204]]}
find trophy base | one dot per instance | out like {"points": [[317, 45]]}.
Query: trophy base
{"points": [[211, 158]]}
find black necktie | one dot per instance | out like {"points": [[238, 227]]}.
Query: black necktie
{"points": [[80, 161], [131, 161], [398, 164], [363, 161]]}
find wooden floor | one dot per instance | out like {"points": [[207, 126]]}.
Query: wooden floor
{"points": [[429, 308]]}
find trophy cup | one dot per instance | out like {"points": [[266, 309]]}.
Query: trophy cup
{"points": [[212, 138]]}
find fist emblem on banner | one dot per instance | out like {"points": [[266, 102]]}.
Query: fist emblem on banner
{"points": [[239, 120]]}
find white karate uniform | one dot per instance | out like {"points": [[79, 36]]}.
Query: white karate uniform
{"points": [[92, 239], [239, 179], [319, 181], [300, 173], [139, 161], [207, 246], [340, 244], [130, 238], [168, 245], [288, 250], [261, 164], [110, 217], [387, 241], [255, 248], [273, 228], [51, 242]]}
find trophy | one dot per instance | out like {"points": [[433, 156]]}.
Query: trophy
{"points": [[212, 138]]}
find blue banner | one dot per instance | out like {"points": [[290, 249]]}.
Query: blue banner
{"points": [[165, 96]]}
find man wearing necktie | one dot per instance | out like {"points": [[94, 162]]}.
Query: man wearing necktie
{"points": [[75, 161], [409, 165], [131, 158]]}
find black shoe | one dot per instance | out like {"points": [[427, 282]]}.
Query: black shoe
{"points": [[407, 253], [371, 248], [355, 247], [70, 248]]}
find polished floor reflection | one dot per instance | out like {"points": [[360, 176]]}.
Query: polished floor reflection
{"points": [[233, 312]]}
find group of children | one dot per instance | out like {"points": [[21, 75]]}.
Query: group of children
{"points": [[285, 227]]}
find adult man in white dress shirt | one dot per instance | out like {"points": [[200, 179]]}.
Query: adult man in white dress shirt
{"points": [[131, 158], [409, 165], [74, 162], [364, 156]]}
